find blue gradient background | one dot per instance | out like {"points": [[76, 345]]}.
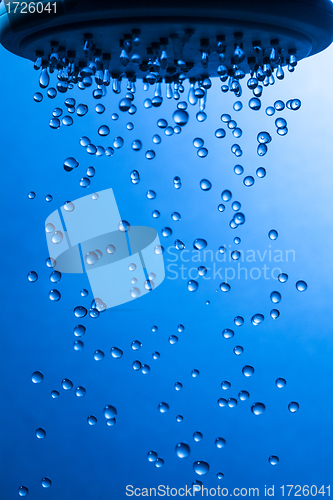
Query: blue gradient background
{"points": [[295, 198]]}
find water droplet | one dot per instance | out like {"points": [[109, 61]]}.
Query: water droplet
{"points": [[92, 420], [275, 297], [180, 117], [175, 216], [82, 110], [110, 412], [163, 407], [261, 172], [152, 456], [54, 295], [166, 232], [273, 234], [57, 237], [103, 131], [201, 116], [136, 145], [262, 149], [227, 333], [66, 384], [54, 123], [201, 468], [40, 433], [80, 311], [273, 460], [255, 103], [248, 370], [243, 395], [199, 244], [80, 392], [136, 365], [226, 195], [182, 450], [98, 355], [225, 385], [202, 152], [220, 442], [279, 105], [173, 339], [55, 276], [280, 383], [32, 276], [192, 285], [238, 350], [67, 121], [54, 394], [257, 319], [205, 184], [301, 286], [198, 142], [220, 133], [150, 154], [37, 377], [38, 97], [124, 226], [151, 195], [238, 106], [264, 138], [225, 287], [23, 491], [238, 169], [258, 408], [116, 352], [293, 406], [197, 436]]}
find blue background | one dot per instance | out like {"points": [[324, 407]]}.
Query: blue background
{"points": [[295, 198]]}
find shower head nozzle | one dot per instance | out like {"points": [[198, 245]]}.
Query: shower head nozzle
{"points": [[153, 41]]}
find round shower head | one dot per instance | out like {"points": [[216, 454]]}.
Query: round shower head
{"points": [[170, 40]]}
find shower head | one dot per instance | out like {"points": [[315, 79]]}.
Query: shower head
{"points": [[171, 40]]}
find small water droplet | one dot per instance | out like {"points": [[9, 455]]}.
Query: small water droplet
{"points": [[32, 276], [273, 234], [66, 384], [301, 286], [280, 383], [258, 408], [273, 460], [40, 433]]}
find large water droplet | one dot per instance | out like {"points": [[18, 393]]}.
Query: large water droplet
{"points": [[201, 468], [180, 117], [248, 371], [199, 244], [182, 450], [192, 286]]}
